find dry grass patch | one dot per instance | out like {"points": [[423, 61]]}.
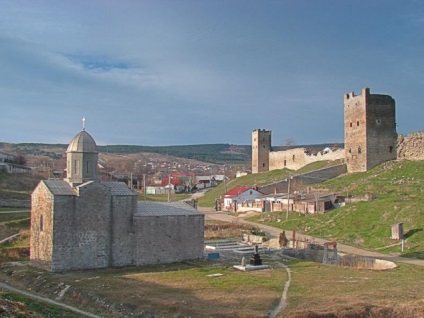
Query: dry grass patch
{"points": [[183, 289], [329, 291]]}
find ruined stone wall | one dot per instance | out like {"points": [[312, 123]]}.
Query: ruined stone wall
{"points": [[297, 158], [168, 239], [411, 147]]}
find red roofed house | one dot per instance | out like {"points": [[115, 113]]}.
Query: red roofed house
{"points": [[240, 194]]}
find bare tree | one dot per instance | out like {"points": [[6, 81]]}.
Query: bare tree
{"points": [[290, 142]]}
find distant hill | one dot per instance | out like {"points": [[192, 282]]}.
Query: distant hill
{"points": [[213, 153]]}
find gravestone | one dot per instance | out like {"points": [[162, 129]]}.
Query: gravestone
{"points": [[256, 260]]}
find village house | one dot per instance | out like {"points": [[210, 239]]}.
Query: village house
{"points": [[203, 182], [239, 195], [305, 203]]}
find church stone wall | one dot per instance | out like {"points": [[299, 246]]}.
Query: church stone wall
{"points": [[297, 158], [411, 147], [123, 242], [41, 244], [168, 239], [64, 241], [92, 240]]}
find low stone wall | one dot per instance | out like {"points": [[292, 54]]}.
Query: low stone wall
{"points": [[15, 203], [355, 261], [255, 239]]}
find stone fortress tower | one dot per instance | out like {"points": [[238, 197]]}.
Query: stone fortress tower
{"points": [[261, 147], [82, 223], [370, 130], [370, 138]]}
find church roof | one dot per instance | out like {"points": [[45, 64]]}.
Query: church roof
{"points": [[164, 209], [118, 188], [59, 187], [83, 142]]}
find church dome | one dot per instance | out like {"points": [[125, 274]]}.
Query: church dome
{"points": [[82, 142]]}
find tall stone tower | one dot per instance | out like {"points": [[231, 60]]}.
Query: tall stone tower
{"points": [[82, 157], [261, 147], [370, 130]]}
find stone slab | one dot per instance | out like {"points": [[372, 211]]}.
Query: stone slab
{"points": [[248, 268]]}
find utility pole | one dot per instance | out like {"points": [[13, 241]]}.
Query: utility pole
{"points": [[225, 184], [144, 186], [288, 197], [169, 188]]}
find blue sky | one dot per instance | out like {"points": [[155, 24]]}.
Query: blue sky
{"points": [[193, 72]]}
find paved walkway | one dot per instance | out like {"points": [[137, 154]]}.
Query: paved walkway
{"points": [[210, 214]]}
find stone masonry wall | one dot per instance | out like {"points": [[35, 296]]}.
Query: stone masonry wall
{"points": [[297, 158], [41, 244], [168, 239], [261, 147], [91, 243], [370, 130], [123, 242], [411, 147]]}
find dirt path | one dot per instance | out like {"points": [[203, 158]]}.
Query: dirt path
{"points": [[48, 300], [275, 232], [283, 300]]}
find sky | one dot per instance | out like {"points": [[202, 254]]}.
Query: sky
{"points": [[183, 72]]}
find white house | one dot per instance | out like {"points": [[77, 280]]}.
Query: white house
{"points": [[240, 194]]}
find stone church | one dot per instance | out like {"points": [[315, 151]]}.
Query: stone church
{"points": [[83, 223]]}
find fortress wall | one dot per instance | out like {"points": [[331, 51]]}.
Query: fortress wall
{"points": [[306, 178], [411, 147], [294, 159]]}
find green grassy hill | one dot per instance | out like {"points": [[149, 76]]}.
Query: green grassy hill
{"points": [[398, 189]]}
